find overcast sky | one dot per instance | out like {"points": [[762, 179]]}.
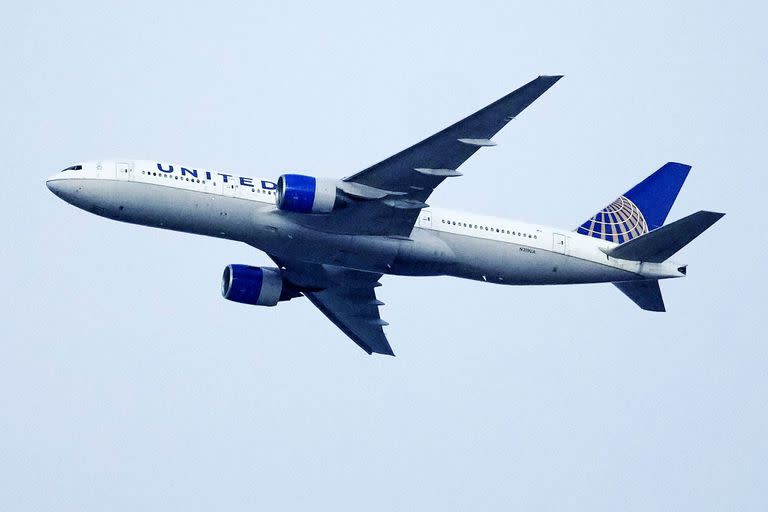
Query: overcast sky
{"points": [[128, 383]]}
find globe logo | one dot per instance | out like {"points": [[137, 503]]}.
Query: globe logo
{"points": [[619, 222]]}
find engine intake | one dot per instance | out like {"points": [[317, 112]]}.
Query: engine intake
{"points": [[307, 194], [257, 286]]}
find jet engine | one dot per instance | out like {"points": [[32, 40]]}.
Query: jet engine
{"points": [[257, 286], [306, 194]]}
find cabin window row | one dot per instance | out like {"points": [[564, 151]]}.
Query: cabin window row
{"points": [[193, 180], [162, 175], [487, 228]]}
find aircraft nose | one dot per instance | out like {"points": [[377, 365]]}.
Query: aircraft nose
{"points": [[64, 188], [59, 186], [53, 185]]}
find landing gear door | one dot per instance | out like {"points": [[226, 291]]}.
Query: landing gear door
{"points": [[558, 243], [124, 170], [425, 219]]}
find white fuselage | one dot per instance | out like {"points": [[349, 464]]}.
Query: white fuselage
{"points": [[443, 242]]}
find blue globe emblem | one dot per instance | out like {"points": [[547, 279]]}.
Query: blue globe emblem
{"points": [[619, 222]]}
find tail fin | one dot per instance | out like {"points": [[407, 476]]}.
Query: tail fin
{"points": [[662, 243], [645, 294], [642, 209]]}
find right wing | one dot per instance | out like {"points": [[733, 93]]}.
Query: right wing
{"points": [[347, 297], [394, 190]]}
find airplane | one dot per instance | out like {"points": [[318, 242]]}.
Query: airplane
{"points": [[332, 239]]}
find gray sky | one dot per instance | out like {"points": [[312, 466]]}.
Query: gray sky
{"points": [[127, 382]]}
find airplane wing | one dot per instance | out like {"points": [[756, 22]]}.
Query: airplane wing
{"points": [[404, 181], [347, 297]]}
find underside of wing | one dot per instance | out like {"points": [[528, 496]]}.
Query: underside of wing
{"points": [[347, 297], [418, 169], [392, 192], [354, 311]]}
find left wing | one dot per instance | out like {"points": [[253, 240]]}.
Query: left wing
{"points": [[347, 297], [393, 191]]}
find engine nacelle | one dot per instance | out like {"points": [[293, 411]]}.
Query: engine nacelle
{"points": [[306, 194], [254, 285]]}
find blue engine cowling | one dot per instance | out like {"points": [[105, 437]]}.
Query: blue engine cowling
{"points": [[253, 285], [306, 194]]}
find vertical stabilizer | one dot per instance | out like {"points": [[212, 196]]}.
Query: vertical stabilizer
{"points": [[642, 209]]}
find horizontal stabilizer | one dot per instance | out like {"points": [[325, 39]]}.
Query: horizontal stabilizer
{"points": [[660, 244], [645, 294]]}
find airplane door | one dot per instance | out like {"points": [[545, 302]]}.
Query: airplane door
{"points": [[558, 243], [425, 220], [230, 188], [124, 170]]}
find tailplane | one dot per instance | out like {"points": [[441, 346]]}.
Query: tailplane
{"points": [[645, 294], [660, 244], [656, 247], [642, 209]]}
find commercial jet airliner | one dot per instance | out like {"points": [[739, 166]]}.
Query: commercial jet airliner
{"points": [[333, 239]]}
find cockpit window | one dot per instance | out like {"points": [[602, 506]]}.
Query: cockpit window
{"points": [[74, 168]]}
